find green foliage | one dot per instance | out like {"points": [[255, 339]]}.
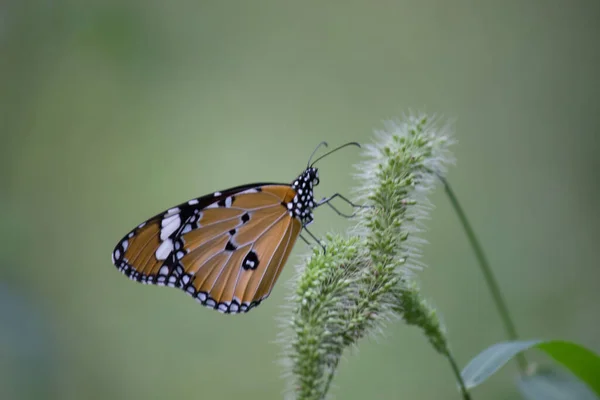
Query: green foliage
{"points": [[321, 327], [551, 383], [491, 360], [366, 279], [580, 361]]}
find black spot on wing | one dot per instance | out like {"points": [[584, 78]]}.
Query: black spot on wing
{"points": [[250, 261]]}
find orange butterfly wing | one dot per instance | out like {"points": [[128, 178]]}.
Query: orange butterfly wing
{"points": [[224, 249]]}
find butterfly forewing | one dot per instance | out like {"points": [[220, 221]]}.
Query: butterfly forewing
{"points": [[225, 249]]}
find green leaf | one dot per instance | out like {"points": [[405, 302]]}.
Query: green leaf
{"points": [[486, 363], [580, 361], [554, 384]]}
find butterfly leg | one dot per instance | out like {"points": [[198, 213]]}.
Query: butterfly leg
{"points": [[338, 212], [327, 200], [305, 240], [314, 238]]}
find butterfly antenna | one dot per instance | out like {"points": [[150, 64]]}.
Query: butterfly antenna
{"points": [[314, 151], [333, 151]]}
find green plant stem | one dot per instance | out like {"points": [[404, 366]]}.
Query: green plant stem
{"points": [[490, 279], [463, 389], [330, 378]]}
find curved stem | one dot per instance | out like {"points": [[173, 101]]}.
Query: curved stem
{"points": [[490, 279], [461, 384]]}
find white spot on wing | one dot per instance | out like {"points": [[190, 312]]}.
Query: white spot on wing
{"points": [[247, 191], [193, 202], [169, 225], [164, 250], [168, 220], [217, 194], [228, 202]]}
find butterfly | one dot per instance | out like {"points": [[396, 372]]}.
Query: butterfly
{"points": [[225, 249]]}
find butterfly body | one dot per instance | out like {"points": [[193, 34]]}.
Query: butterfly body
{"points": [[225, 249]]}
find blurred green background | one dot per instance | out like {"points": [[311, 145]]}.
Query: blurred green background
{"points": [[111, 111]]}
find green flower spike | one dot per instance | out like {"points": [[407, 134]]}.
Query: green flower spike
{"points": [[366, 279]]}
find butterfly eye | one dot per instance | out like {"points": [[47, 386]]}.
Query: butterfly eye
{"points": [[316, 181]]}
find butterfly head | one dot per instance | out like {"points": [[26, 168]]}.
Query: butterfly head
{"points": [[304, 201]]}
